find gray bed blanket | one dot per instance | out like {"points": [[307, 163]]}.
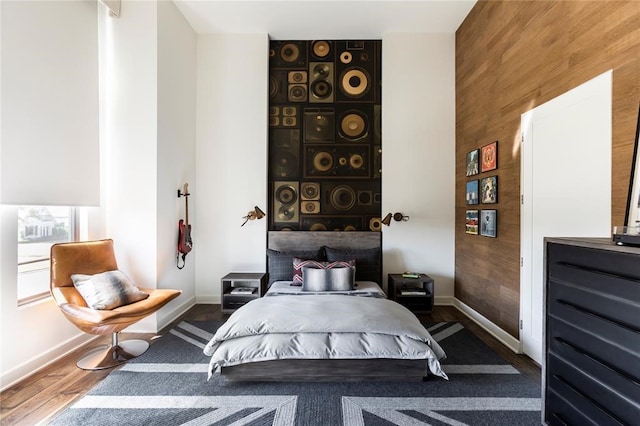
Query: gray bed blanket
{"points": [[322, 327]]}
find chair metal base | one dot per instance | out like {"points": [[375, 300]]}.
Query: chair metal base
{"points": [[109, 356]]}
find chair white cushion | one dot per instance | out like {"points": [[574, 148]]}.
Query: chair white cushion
{"points": [[107, 290]]}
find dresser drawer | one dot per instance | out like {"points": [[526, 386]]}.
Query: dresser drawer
{"points": [[607, 261], [612, 297], [615, 346]]}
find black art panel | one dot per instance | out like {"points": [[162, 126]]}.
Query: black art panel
{"points": [[325, 147]]}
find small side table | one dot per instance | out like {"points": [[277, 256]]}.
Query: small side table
{"points": [[238, 288], [414, 293]]}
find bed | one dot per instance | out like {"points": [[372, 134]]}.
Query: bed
{"points": [[345, 334]]}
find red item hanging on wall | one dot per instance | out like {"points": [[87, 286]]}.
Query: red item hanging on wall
{"points": [[185, 243]]}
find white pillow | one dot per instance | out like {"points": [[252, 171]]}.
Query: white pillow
{"points": [[107, 290]]}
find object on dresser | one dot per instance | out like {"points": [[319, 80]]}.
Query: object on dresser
{"points": [[243, 290], [626, 235], [411, 274]]}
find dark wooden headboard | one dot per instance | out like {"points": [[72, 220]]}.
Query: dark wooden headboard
{"points": [[309, 240]]}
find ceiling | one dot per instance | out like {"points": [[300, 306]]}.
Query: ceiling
{"points": [[328, 19]]}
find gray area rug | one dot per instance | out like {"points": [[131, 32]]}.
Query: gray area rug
{"points": [[168, 386]]}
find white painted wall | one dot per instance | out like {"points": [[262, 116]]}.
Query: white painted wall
{"points": [[418, 156], [132, 165], [231, 158], [176, 152]]}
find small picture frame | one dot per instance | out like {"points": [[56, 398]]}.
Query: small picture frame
{"points": [[488, 223], [489, 157], [472, 192], [489, 190], [471, 222], [472, 162]]}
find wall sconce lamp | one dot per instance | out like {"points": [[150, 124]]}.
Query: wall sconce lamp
{"points": [[256, 213], [398, 217]]}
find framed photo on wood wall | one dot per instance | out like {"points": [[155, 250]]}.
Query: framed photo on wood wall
{"points": [[471, 222], [489, 190], [489, 157], [472, 192], [472, 162], [488, 223]]}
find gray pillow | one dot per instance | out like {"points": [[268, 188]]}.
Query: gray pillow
{"points": [[280, 263], [107, 290], [333, 279], [367, 260]]}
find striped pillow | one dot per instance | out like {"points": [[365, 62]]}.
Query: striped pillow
{"points": [[298, 264]]}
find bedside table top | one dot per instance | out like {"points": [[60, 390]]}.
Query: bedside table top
{"points": [[399, 277], [244, 276]]}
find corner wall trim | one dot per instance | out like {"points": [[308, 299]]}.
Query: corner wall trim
{"points": [[444, 301], [502, 336], [180, 310]]}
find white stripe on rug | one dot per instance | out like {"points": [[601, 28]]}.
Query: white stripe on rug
{"points": [[389, 408], [165, 368], [438, 337], [204, 368], [436, 326], [444, 404], [181, 401], [398, 418], [187, 338], [479, 369], [284, 415], [195, 330]]}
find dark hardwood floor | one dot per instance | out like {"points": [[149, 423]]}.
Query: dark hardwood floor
{"points": [[40, 396]]}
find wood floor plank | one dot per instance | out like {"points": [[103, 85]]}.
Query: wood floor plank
{"points": [[44, 394]]}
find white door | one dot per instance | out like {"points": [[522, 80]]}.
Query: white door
{"points": [[565, 187]]}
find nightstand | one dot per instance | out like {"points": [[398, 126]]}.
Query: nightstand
{"points": [[414, 293], [238, 288]]}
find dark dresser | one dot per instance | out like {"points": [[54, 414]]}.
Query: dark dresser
{"points": [[591, 370]]}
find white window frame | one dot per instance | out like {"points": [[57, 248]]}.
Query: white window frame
{"points": [[38, 269]]}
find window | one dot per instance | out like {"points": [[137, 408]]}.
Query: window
{"points": [[38, 228]]}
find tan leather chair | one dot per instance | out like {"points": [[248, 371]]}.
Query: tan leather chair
{"points": [[93, 257]]}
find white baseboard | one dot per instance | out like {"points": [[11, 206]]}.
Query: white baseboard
{"points": [[504, 337], [443, 301], [39, 362], [175, 313], [208, 299]]}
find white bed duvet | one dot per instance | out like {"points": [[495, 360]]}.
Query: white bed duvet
{"points": [[322, 327]]}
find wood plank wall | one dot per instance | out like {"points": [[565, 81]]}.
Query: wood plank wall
{"points": [[512, 56]]}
